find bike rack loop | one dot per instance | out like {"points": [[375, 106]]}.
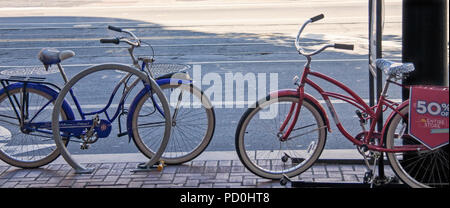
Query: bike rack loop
{"points": [[79, 169]]}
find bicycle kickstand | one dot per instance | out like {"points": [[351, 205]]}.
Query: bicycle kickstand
{"points": [[369, 177], [375, 162], [145, 167]]}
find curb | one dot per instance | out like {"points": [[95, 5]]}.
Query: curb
{"points": [[336, 156]]}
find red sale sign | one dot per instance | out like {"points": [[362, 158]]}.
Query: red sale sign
{"points": [[428, 115]]}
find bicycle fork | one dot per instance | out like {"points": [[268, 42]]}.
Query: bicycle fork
{"points": [[283, 137], [294, 107]]}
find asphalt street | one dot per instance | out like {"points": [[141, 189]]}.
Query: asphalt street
{"points": [[220, 36]]}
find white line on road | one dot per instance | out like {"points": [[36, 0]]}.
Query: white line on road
{"points": [[277, 61], [198, 5], [180, 24], [97, 39], [214, 103], [222, 62], [153, 45]]}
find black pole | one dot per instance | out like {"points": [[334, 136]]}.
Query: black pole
{"points": [[371, 77], [425, 42], [379, 34]]}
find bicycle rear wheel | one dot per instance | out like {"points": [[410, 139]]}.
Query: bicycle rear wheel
{"points": [[193, 122], [26, 148], [419, 169], [258, 144]]}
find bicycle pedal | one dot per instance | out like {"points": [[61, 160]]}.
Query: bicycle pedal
{"points": [[285, 158], [364, 148], [84, 146], [284, 180], [360, 116], [368, 176]]}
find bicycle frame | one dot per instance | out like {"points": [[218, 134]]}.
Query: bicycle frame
{"points": [[76, 127], [21, 106], [373, 113], [72, 127]]}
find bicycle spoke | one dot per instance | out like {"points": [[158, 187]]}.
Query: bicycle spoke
{"points": [[9, 122], [152, 124], [420, 168], [270, 157], [26, 147], [308, 132]]}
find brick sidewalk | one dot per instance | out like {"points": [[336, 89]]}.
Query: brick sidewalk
{"points": [[195, 174]]}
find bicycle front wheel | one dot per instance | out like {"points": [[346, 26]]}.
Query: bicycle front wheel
{"points": [[258, 142], [418, 169], [193, 122], [23, 147]]}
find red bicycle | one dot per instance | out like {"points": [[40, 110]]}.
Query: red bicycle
{"points": [[283, 134]]}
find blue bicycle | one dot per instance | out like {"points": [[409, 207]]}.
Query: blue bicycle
{"points": [[26, 105]]}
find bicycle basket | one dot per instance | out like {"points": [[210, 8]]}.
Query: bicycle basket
{"points": [[159, 69]]}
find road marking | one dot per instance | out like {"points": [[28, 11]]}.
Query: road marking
{"points": [[197, 6], [82, 26], [220, 62], [360, 19], [97, 39], [167, 25], [214, 103], [224, 62], [144, 45], [277, 61]]}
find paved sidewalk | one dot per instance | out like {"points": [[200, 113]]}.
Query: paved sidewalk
{"points": [[199, 173]]}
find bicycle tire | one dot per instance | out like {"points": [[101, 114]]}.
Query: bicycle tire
{"points": [[27, 150], [433, 163], [263, 167], [183, 146]]}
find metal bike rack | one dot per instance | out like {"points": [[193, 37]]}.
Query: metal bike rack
{"points": [[375, 38], [79, 169]]}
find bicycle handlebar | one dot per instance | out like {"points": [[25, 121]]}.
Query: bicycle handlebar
{"points": [[134, 42], [343, 46], [117, 29], [317, 18], [112, 40], [300, 49]]}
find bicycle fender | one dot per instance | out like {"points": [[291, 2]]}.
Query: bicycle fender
{"points": [[66, 107], [388, 120], [175, 75], [294, 92], [172, 81], [131, 112]]}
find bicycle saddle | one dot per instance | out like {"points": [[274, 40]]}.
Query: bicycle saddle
{"points": [[49, 56], [392, 68]]}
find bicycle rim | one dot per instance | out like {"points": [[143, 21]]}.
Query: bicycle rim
{"points": [[31, 149], [419, 169], [260, 149], [192, 127]]}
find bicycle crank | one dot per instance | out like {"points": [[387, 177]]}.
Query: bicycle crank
{"points": [[98, 128]]}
